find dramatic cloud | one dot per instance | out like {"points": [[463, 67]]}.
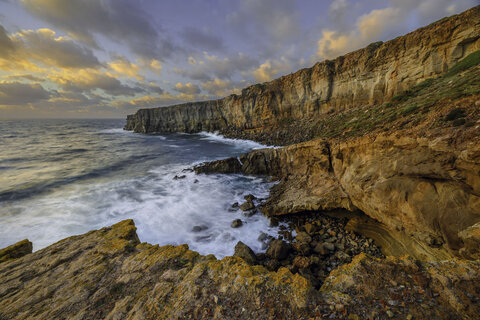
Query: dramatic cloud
{"points": [[16, 93], [118, 20], [43, 48]]}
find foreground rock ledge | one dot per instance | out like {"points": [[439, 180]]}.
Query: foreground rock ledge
{"points": [[109, 274]]}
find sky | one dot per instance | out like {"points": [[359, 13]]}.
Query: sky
{"points": [[109, 58]]}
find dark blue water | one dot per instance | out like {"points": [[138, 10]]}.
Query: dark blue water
{"points": [[64, 177]]}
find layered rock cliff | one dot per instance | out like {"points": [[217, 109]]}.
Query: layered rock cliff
{"points": [[109, 274], [365, 77]]}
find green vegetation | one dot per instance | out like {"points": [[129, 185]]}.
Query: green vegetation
{"points": [[409, 108], [468, 62]]}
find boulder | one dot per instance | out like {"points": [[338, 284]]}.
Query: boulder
{"points": [[243, 251], [278, 249]]}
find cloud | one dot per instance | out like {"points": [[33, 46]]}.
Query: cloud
{"points": [[24, 77], [6, 44], [380, 24], [212, 66], [17, 93], [271, 69], [272, 23], [87, 80], [27, 48], [123, 67], [188, 88], [202, 39], [121, 21], [221, 88]]}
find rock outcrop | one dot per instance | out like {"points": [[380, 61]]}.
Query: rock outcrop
{"points": [[16, 250], [368, 76], [109, 274]]}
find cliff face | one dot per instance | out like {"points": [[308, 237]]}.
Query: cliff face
{"points": [[365, 77], [411, 165], [109, 274]]}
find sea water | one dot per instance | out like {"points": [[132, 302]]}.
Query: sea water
{"points": [[60, 178]]}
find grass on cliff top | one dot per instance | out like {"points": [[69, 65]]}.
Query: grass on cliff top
{"points": [[411, 107]]}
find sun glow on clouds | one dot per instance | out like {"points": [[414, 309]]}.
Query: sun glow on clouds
{"points": [[108, 58]]}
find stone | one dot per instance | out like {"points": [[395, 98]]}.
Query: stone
{"points": [[320, 249], [302, 243], [301, 262], [247, 205], [249, 197], [237, 223], [329, 246], [278, 249], [243, 251], [199, 228], [310, 228], [179, 177]]}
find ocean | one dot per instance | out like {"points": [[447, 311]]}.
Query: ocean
{"points": [[60, 178]]}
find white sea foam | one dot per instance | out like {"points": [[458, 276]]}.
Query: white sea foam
{"points": [[164, 210], [216, 137]]}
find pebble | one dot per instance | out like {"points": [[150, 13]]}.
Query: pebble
{"points": [[389, 313], [237, 223]]}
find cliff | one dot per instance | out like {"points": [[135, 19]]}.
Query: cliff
{"points": [[412, 165], [367, 76], [109, 274]]}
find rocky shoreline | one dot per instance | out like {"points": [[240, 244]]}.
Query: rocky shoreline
{"points": [[110, 274]]}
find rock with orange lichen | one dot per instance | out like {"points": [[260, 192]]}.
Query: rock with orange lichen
{"points": [[109, 274]]}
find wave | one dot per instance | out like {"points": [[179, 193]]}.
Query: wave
{"points": [[216, 137]]}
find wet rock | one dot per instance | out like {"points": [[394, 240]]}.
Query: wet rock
{"points": [[199, 228], [278, 249], [249, 197], [243, 251], [274, 222], [247, 205], [235, 205], [179, 177], [250, 213], [230, 165], [237, 223]]}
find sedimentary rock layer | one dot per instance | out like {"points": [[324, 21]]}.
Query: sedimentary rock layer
{"points": [[367, 76]]}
